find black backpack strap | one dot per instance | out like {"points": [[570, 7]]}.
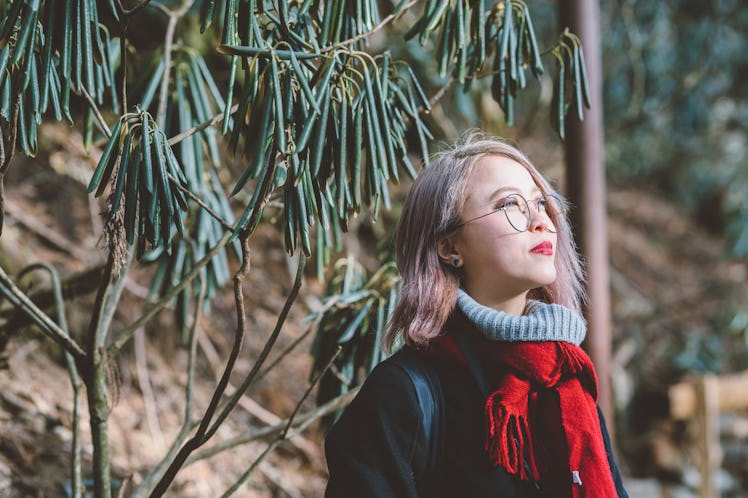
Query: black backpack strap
{"points": [[431, 401], [474, 364]]}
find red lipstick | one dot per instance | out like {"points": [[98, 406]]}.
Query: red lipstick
{"points": [[545, 248]]}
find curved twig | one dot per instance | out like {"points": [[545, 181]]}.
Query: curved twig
{"points": [[75, 379], [97, 114], [128, 12], [225, 224], [174, 16], [200, 436], [283, 434], [274, 430], [201, 126], [251, 376], [319, 314], [46, 324]]}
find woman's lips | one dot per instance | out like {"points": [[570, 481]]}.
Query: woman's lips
{"points": [[545, 248]]}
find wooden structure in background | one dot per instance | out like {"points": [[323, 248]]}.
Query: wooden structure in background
{"points": [[701, 401], [585, 185]]}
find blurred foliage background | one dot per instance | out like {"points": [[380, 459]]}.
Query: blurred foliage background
{"points": [[674, 103], [675, 106]]}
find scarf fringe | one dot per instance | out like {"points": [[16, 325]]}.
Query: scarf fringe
{"points": [[509, 442]]}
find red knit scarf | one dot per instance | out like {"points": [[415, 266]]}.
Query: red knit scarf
{"points": [[539, 381]]}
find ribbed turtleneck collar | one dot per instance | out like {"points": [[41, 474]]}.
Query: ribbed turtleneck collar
{"points": [[540, 322]]}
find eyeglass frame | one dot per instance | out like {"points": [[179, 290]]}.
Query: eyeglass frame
{"points": [[559, 201]]}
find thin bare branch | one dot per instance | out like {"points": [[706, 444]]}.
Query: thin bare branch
{"points": [[187, 424], [99, 118], [194, 333], [200, 127], [292, 295], [313, 383], [45, 323], [75, 379], [312, 326], [270, 447], [284, 433], [107, 299], [199, 438], [178, 461], [309, 449], [144, 382], [129, 12], [440, 93], [225, 224], [164, 90], [273, 430]]}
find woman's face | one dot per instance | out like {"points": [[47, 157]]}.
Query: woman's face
{"points": [[499, 264]]}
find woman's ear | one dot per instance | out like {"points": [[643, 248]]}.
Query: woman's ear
{"points": [[448, 252]]}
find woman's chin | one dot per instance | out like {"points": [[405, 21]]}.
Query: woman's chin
{"points": [[545, 278]]}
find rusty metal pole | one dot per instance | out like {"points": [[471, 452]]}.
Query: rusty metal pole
{"points": [[585, 180]]}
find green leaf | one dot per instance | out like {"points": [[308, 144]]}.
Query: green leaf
{"points": [[87, 57], [353, 326], [145, 140], [47, 67], [280, 125], [106, 157], [153, 85], [227, 120], [121, 174], [229, 23], [131, 197], [207, 11]]}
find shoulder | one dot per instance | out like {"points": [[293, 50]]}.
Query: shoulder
{"points": [[412, 362], [383, 421], [390, 394], [391, 381]]}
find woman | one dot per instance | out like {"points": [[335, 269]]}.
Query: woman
{"points": [[491, 298]]}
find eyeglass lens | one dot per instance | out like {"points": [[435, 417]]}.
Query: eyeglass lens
{"points": [[518, 213]]}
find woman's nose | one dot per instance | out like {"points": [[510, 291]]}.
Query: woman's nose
{"points": [[539, 220]]}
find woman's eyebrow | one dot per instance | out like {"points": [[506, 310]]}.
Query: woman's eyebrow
{"points": [[499, 191], [514, 190]]}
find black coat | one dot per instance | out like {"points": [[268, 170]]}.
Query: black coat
{"points": [[375, 448]]}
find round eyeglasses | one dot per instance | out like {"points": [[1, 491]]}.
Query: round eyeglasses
{"points": [[517, 211]]}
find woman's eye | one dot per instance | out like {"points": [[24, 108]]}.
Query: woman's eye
{"points": [[509, 203]]}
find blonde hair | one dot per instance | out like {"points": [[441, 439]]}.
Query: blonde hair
{"points": [[431, 211]]}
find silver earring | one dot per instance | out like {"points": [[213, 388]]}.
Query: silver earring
{"points": [[455, 262]]}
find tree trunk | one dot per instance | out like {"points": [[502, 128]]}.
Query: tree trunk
{"points": [[585, 170]]}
